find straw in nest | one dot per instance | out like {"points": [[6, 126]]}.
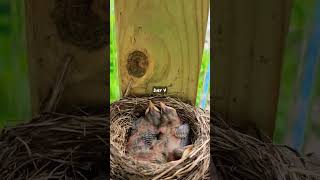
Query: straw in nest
{"points": [[237, 156], [55, 146], [194, 166]]}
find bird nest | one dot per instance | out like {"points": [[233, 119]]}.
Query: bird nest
{"points": [[193, 165], [237, 156], [55, 146]]}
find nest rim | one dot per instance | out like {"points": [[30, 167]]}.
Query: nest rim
{"points": [[194, 165]]}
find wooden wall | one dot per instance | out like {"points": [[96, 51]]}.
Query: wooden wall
{"points": [[248, 42], [160, 43], [68, 28]]}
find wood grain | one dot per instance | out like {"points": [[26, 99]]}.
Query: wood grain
{"points": [[248, 41], [47, 51], [171, 34]]}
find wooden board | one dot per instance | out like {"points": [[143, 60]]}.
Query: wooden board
{"points": [[248, 41], [50, 41], [160, 43]]}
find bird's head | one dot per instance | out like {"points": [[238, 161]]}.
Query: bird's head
{"points": [[153, 114], [169, 116]]}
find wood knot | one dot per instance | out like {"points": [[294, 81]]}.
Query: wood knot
{"points": [[82, 23], [137, 64]]}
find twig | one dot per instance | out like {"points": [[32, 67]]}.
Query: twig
{"points": [[28, 150], [59, 86], [128, 88]]}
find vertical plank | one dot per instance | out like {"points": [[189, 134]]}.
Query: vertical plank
{"points": [[269, 42], [241, 64], [160, 43], [60, 28], [222, 29], [232, 46], [248, 41]]}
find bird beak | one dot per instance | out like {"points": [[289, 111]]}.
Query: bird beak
{"points": [[152, 106], [163, 106]]}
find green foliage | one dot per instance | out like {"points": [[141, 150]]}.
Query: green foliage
{"points": [[114, 80], [204, 67], [14, 88], [300, 15]]}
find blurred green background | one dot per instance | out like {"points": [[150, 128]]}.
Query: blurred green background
{"points": [[296, 41], [14, 89], [114, 80], [300, 12]]}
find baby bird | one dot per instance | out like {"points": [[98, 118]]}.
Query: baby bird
{"points": [[153, 114], [155, 154], [144, 131], [145, 146], [173, 131]]}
